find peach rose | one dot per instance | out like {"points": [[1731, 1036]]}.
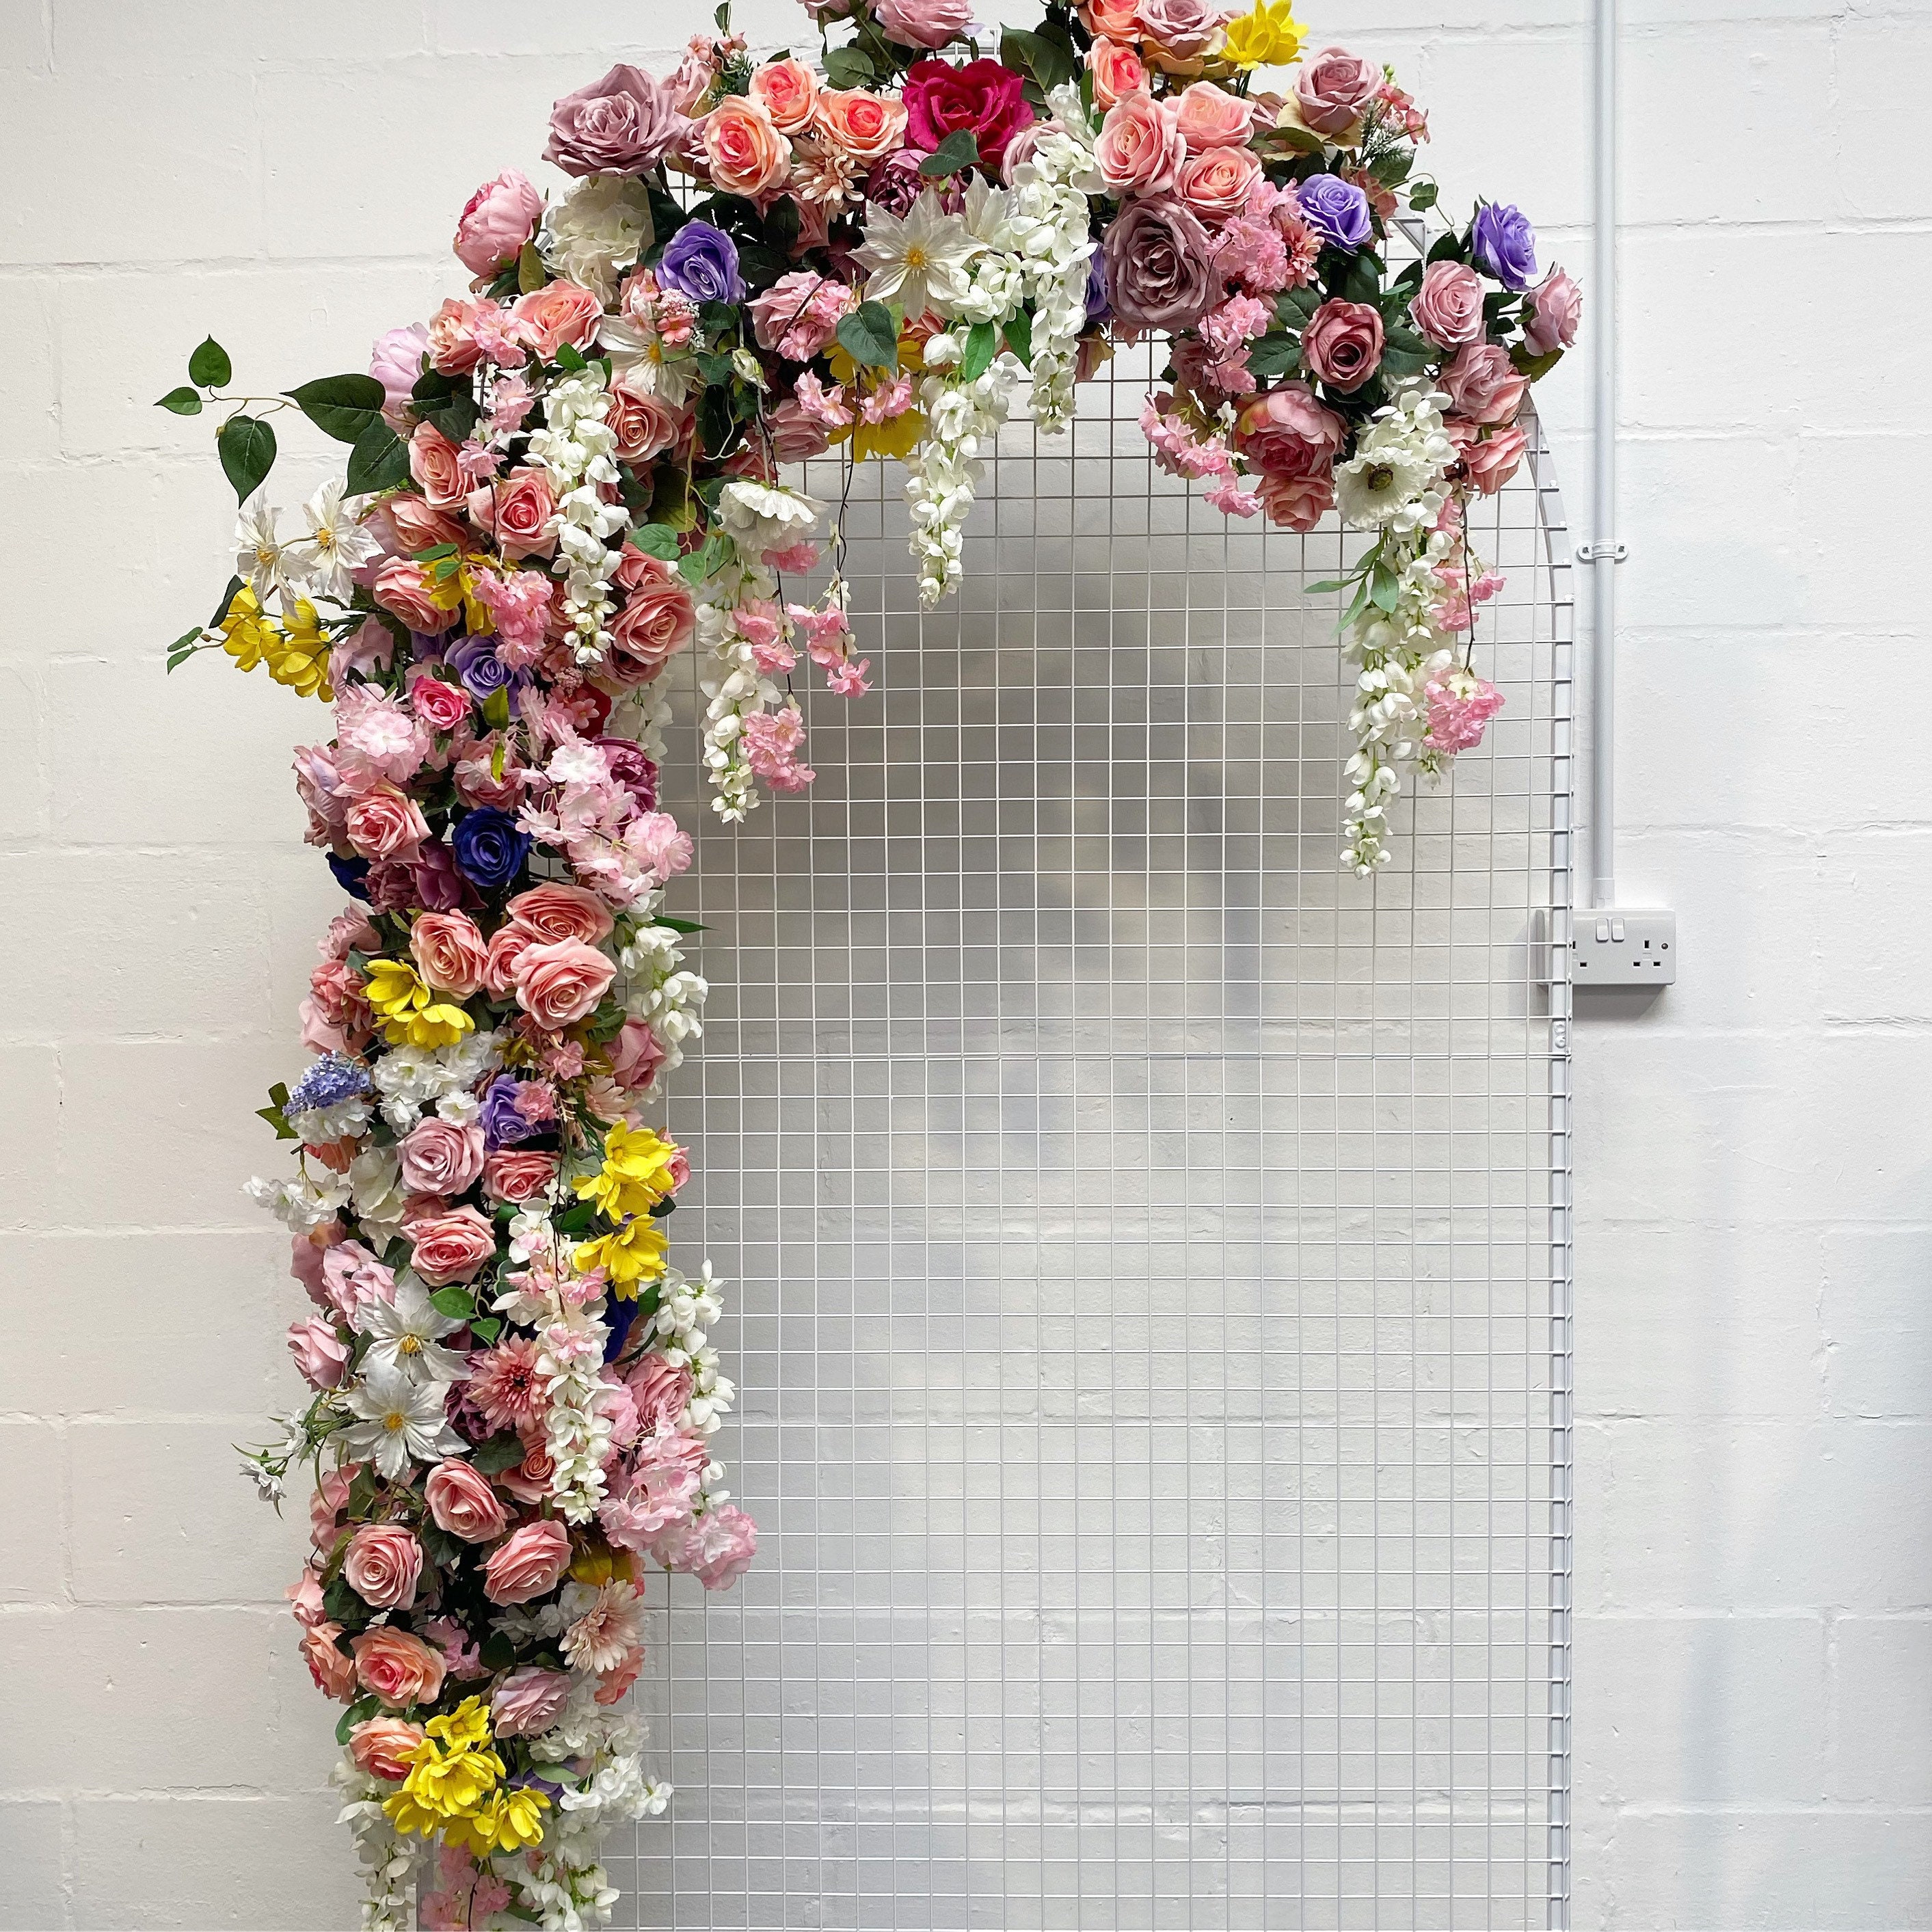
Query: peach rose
{"points": [[434, 465], [527, 1563], [462, 1503], [400, 1669], [1114, 20], [381, 1746], [789, 90], [507, 944], [452, 1247], [1216, 182], [558, 313], [867, 127], [656, 622], [414, 525], [385, 822], [403, 589], [305, 1596], [1448, 307], [560, 984], [383, 1565], [530, 1481], [335, 1674], [439, 1157], [1483, 384], [1140, 150], [645, 426], [326, 1505], [516, 509], [453, 347], [1296, 503], [744, 149], [447, 948], [554, 911], [1211, 117], [517, 1173], [1117, 71]]}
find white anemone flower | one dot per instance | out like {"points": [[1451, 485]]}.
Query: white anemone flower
{"points": [[919, 259], [759, 517], [408, 1335], [401, 1421], [1373, 489], [258, 549], [336, 544]]}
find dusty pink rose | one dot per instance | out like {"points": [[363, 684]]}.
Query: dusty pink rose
{"points": [[558, 313], [635, 1054], [1211, 117], [1140, 150], [932, 24], [516, 509], [661, 1391], [496, 221], [405, 590], [1551, 312], [1483, 384], [381, 1746], [867, 127], [449, 950], [1184, 28], [789, 91], [439, 1157], [1490, 463], [1160, 268], [1448, 306], [326, 1505], [400, 1669], [1343, 344], [452, 1247], [1117, 71], [560, 984], [528, 1700], [396, 361], [527, 1563], [434, 464], [656, 622], [518, 1173], [1333, 89], [441, 705], [507, 944], [645, 425], [385, 822], [335, 1674], [320, 1354], [383, 1565], [624, 124], [462, 1503], [1216, 182], [553, 911], [744, 150]]}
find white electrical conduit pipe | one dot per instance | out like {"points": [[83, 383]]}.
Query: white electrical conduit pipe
{"points": [[1603, 553]]}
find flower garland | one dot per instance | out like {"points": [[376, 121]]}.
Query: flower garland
{"points": [[567, 474]]}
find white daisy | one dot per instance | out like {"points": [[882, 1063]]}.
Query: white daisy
{"points": [[401, 1420]]}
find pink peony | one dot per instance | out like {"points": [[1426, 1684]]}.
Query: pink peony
{"points": [[462, 1502], [496, 221], [382, 1565], [717, 1549], [1343, 344], [529, 1562], [931, 24], [1448, 307], [528, 1701], [452, 1247], [439, 1157], [1296, 503], [661, 1390], [320, 1354], [560, 984], [400, 1669]]}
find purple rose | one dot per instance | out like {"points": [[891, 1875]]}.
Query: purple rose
{"points": [[440, 886], [475, 661], [701, 262], [1504, 243], [621, 125], [502, 1125], [1160, 270], [631, 769], [1099, 308], [1337, 210]]}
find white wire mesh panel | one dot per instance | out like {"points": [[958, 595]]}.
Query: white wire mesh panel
{"points": [[1141, 1232]]}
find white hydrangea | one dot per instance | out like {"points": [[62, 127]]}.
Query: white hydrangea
{"points": [[597, 232]]}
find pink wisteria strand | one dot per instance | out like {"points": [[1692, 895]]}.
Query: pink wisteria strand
{"points": [[577, 468]]}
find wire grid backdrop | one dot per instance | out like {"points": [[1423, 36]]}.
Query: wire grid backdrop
{"points": [[1147, 1250]]}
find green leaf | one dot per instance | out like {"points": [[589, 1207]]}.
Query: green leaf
{"points": [[1019, 336], [850, 67], [247, 451], [868, 337], [227, 597], [498, 1652], [960, 150], [1422, 197], [1047, 61], [500, 1452], [458, 1303], [1535, 367], [657, 540], [1273, 356], [380, 461], [486, 1327], [496, 708], [717, 425], [358, 1712], [184, 647], [701, 564], [1384, 587], [343, 406], [686, 925], [276, 1120], [183, 401], [342, 1602], [208, 367], [1328, 584], [569, 356], [531, 274], [1293, 306], [983, 343]]}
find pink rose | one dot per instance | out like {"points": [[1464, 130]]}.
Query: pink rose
{"points": [[1140, 150], [1160, 267], [412, 526], [405, 590], [982, 98], [661, 1391], [496, 221], [558, 985], [516, 509], [325, 1506], [624, 124], [528, 1700], [1551, 312], [645, 426], [656, 622], [931, 24], [789, 91], [1333, 90], [335, 1674], [1216, 182], [527, 1563], [434, 464], [518, 1173], [449, 950], [1117, 70], [1288, 434], [1490, 463], [441, 705], [453, 349], [745, 153], [321, 1355], [507, 944], [400, 1669], [635, 1055], [1448, 307], [558, 313], [867, 127], [382, 1565], [1343, 344], [439, 1157], [1483, 384], [530, 1481], [462, 1503], [385, 822], [305, 1596], [799, 313], [382, 1746], [1211, 117], [1184, 28], [553, 911], [452, 1247]]}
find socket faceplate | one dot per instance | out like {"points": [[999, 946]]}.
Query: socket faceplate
{"points": [[1614, 946]]}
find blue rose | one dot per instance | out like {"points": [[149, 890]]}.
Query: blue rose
{"points": [[490, 851], [1337, 211], [352, 875], [1504, 243], [701, 262]]}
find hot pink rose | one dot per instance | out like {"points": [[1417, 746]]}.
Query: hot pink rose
{"points": [[982, 97], [1551, 312], [335, 1674], [434, 465], [1448, 306], [439, 1157], [1216, 182], [449, 950], [1117, 71], [867, 127], [321, 1355], [441, 705], [645, 426], [1483, 384], [462, 1503], [656, 622], [496, 221], [507, 944], [624, 124], [745, 153], [528, 1700], [1140, 150], [1184, 28], [400, 1669], [453, 349], [405, 590], [553, 911], [1333, 90], [1490, 463], [385, 822], [518, 1173], [516, 508], [1211, 117], [381, 1746], [560, 984], [933, 24], [527, 1563], [558, 313], [1343, 344], [451, 1247], [635, 1054], [789, 91], [661, 1391], [383, 1565]]}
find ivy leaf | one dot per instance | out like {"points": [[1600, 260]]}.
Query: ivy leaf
{"points": [[343, 406], [1422, 197], [208, 367], [983, 343], [657, 540], [183, 401], [486, 1327], [1019, 337], [277, 1119], [868, 337], [247, 451], [959, 150]]}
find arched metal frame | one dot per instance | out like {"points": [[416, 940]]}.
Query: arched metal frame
{"points": [[1148, 1251]]}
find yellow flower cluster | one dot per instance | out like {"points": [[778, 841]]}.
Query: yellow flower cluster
{"points": [[452, 581], [454, 1786], [636, 1252], [636, 1175], [297, 656], [410, 1014], [1269, 36]]}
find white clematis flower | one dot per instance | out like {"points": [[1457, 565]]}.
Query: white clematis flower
{"points": [[335, 545], [408, 1335], [401, 1421], [258, 549]]}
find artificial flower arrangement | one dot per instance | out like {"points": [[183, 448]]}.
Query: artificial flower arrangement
{"points": [[569, 474]]}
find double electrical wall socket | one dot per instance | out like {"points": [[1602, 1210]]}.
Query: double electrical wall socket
{"points": [[1616, 947]]}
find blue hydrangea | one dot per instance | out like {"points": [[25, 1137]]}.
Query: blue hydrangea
{"points": [[330, 1082]]}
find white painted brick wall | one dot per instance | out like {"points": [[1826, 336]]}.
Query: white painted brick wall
{"points": [[1754, 1640]]}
